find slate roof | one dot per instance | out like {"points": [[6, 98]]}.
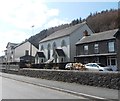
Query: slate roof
{"points": [[117, 34], [22, 43], [106, 35], [60, 52], [64, 32], [27, 58], [40, 54]]}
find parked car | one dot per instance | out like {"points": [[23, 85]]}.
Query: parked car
{"points": [[75, 66], [114, 68], [69, 66], [97, 67]]}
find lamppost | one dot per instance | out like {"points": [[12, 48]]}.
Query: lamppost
{"points": [[31, 47]]}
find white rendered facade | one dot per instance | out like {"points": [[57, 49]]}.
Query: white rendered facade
{"points": [[69, 48]]}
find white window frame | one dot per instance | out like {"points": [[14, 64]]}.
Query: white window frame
{"points": [[63, 43], [109, 62], [111, 46], [96, 48], [85, 49]]}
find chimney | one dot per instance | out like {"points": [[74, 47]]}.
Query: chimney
{"points": [[86, 33]]}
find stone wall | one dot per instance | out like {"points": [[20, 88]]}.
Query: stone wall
{"points": [[101, 79]]}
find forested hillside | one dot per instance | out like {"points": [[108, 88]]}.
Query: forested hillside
{"points": [[103, 21], [99, 21]]}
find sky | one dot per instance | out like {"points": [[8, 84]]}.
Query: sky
{"points": [[18, 16]]}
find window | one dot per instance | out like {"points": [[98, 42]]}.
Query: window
{"points": [[63, 43], [49, 47], [94, 65], [54, 47], [42, 60], [96, 49], [26, 52], [42, 48], [62, 59], [86, 60], [12, 52], [111, 46], [48, 54], [112, 61], [86, 49], [96, 59]]}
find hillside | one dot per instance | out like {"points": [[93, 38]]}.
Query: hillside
{"points": [[106, 20], [102, 21]]}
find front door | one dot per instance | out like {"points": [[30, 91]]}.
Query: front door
{"points": [[112, 61]]}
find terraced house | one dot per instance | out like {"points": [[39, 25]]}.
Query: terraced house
{"points": [[22, 51], [99, 47], [60, 46], [9, 52]]}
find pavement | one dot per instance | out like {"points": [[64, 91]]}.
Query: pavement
{"points": [[73, 88]]}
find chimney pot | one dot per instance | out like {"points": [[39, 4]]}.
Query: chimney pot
{"points": [[86, 33]]}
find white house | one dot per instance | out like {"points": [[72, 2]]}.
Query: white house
{"points": [[2, 59], [22, 49], [9, 51], [60, 46]]}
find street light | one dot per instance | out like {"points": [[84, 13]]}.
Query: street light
{"points": [[31, 47], [32, 29]]}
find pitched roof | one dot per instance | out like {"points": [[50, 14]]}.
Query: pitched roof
{"points": [[106, 35], [117, 34], [22, 43], [63, 32], [12, 44], [40, 54], [60, 52], [26, 57]]}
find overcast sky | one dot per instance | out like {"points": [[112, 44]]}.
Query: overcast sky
{"points": [[18, 16]]}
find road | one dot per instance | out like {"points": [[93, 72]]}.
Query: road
{"points": [[23, 87], [12, 89]]}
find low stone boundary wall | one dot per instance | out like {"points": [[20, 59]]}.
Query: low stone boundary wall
{"points": [[101, 79]]}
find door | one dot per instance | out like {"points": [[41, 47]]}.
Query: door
{"points": [[112, 62]]}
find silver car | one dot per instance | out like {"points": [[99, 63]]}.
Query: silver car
{"points": [[69, 66], [97, 67]]}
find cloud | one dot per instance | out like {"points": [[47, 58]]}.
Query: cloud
{"points": [[63, 1], [17, 17], [11, 36], [55, 22], [25, 13]]}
